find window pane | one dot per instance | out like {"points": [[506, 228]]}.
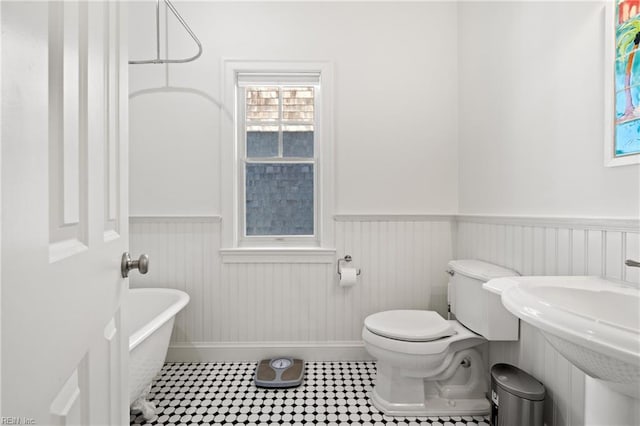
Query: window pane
{"points": [[263, 104], [297, 141], [297, 104], [279, 199], [262, 141]]}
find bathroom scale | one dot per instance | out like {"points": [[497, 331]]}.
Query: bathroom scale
{"points": [[283, 372]]}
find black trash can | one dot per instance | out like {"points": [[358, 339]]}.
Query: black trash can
{"points": [[516, 397]]}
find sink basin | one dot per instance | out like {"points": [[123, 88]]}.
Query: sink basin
{"points": [[591, 321]]}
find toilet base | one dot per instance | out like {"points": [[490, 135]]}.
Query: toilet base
{"points": [[433, 407], [456, 387]]}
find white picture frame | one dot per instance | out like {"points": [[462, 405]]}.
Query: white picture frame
{"points": [[610, 159]]}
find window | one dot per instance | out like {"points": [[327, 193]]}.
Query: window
{"points": [[277, 162], [278, 143]]}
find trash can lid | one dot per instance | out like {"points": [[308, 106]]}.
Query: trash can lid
{"points": [[517, 382]]}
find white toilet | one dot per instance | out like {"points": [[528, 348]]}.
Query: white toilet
{"points": [[430, 366]]}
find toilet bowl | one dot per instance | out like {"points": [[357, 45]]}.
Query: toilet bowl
{"points": [[428, 366]]}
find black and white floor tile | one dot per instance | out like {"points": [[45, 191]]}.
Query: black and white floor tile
{"points": [[224, 394]]}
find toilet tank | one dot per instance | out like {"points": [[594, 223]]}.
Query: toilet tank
{"points": [[478, 309]]}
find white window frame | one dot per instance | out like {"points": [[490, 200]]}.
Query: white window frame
{"points": [[280, 81], [235, 244]]}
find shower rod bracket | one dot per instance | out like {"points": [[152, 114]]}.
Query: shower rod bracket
{"points": [[184, 24]]}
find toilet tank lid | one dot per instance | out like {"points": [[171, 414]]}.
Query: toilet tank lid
{"points": [[483, 271]]}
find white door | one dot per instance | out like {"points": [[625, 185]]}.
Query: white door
{"points": [[64, 212]]}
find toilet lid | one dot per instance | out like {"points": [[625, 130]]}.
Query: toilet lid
{"points": [[409, 325]]}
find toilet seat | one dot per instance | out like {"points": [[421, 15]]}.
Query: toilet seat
{"points": [[409, 325], [462, 338]]}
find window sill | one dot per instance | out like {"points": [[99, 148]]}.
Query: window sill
{"points": [[278, 255]]}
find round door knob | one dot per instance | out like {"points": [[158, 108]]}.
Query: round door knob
{"points": [[142, 264]]}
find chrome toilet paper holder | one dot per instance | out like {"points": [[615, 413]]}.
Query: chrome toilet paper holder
{"points": [[346, 259]]}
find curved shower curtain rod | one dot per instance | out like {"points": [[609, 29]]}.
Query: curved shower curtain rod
{"points": [[158, 60]]}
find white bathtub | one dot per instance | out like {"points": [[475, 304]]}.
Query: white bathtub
{"points": [[151, 312]]}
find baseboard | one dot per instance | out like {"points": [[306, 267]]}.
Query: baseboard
{"points": [[254, 351]]}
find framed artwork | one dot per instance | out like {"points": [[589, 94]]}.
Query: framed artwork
{"points": [[623, 121]]}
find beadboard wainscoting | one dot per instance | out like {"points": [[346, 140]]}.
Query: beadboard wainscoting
{"points": [[548, 246], [183, 253], [245, 310]]}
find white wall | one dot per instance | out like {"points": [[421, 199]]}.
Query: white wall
{"points": [[395, 100], [531, 105], [532, 111]]}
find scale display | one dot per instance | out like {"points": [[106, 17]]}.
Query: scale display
{"points": [[283, 372], [281, 363]]}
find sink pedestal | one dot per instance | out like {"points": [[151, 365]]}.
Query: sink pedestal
{"points": [[606, 407]]}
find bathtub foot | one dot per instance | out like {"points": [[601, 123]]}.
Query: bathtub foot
{"points": [[144, 406], [141, 405]]}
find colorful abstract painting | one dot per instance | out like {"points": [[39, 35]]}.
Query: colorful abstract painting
{"points": [[627, 78]]}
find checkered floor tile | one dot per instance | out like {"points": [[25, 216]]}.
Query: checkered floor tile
{"points": [[224, 393]]}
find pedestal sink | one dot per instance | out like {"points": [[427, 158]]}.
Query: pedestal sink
{"points": [[593, 322]]}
